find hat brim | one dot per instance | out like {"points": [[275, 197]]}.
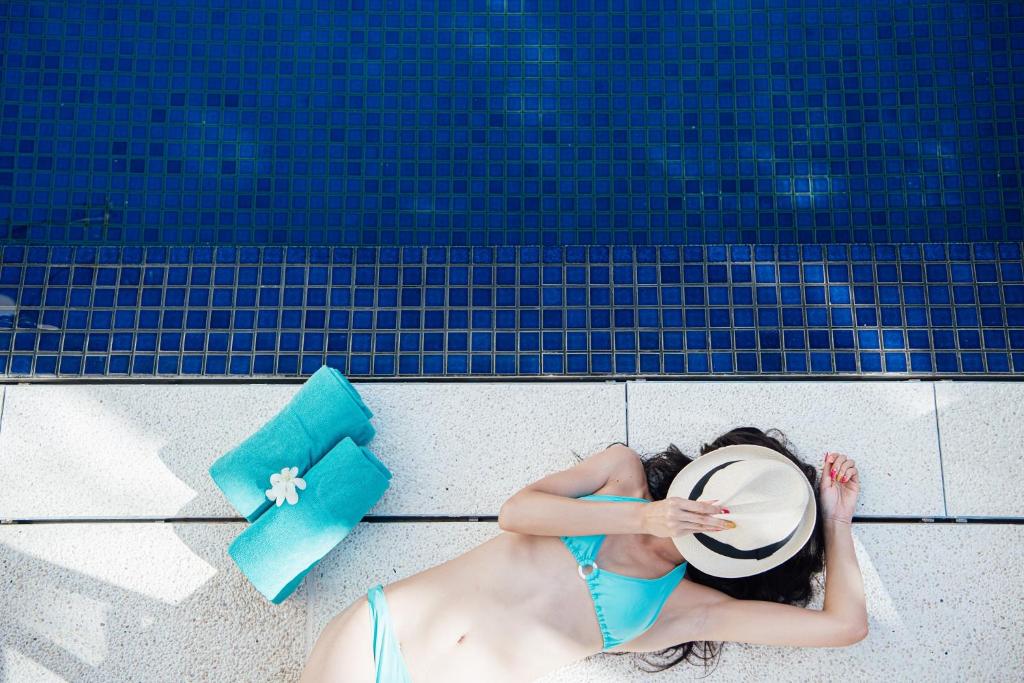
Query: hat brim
{"points": [[706, 560]]}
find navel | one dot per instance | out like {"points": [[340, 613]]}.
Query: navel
{"points": [[461, 638]]}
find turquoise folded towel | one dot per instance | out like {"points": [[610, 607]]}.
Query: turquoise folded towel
{"points": [[325, 410], [280, 548]]}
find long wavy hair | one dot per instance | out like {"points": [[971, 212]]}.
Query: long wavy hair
{"points": [[792, 582]]}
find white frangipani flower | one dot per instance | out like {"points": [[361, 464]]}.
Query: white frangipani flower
{"points": [[283, 485]]}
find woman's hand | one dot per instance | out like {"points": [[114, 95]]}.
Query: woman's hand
{"points": [[676, 516], [839, 487]]}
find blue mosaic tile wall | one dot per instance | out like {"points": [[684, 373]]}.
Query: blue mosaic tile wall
{"points": [[456, 311], [508, 122]]}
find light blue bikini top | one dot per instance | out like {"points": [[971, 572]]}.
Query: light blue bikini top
{"points": [[626, 606]]}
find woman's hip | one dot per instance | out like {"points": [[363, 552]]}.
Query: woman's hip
{"points": [[388, 659]]}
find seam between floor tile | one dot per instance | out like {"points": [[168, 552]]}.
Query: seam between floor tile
{"points": [[625, 396], [938, 439], [493, 519]]}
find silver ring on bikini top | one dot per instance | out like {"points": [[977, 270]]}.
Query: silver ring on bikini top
{"points": [[579, 569]]}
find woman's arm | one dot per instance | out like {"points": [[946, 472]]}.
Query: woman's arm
{"points": [[843, 619], [548, 514], [548, 507], [844, 585], [719, 617]]}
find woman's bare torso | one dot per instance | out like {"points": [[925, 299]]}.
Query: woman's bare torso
{"points": [[514, 606]]}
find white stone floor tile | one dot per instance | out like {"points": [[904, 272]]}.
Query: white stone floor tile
{"points": [[126, 450], [887, 428], [465, 448], [139, 602], [101, 602], [94, 601], [981, 427], [145, 450]]}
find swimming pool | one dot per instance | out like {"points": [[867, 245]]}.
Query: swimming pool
{"points": [[510, 188]]}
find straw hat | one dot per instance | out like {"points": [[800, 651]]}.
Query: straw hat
{"points": [[769, 498]]}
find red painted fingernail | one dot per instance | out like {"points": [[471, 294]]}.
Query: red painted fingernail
{"points": [[833, 474], [725, 509], [844, 478]]}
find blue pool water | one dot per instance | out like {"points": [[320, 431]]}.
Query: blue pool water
{"points": [[511, 188], [511, 122]]}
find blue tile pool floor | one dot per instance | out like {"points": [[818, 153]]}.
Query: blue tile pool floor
{"points": [[511, 122], [841, 184], [505, 311]]}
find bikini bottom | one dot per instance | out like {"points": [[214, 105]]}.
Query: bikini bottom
{"points": [[386, 653]]}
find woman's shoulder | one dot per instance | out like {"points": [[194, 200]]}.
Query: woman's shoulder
{"points": [[629, 479]]}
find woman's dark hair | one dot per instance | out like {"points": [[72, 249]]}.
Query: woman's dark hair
{"points": [[791, 582]]}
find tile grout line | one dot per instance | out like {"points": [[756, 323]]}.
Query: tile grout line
{"points": [[625, 395], [212, 380], [938, 439], [466, 519], [310, 584]]}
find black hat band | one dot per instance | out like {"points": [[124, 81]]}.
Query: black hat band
{"points": [[716, 546]]}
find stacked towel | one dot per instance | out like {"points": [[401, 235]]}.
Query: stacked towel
{"points": [[286, 541], [326, 409]]}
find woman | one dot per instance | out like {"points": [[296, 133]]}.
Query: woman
{"points": [[514, 608]]}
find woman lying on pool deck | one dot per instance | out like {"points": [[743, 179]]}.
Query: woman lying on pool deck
{"points": [[620, 554]]}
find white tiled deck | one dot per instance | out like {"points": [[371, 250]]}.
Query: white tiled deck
{"points": [[109, 601]]}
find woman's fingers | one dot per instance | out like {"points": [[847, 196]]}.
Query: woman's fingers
{"points": [[839, 468], [837, 463], [680, 528], [704, 520], [706, 507], [700, 514], [832, 464], [684, 522]]}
